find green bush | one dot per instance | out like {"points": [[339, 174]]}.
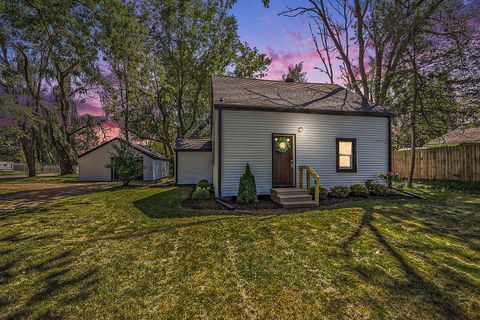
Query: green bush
{"points": [[201, 194], [340, 191], [203, 184], [359, 190], [323, 192], [393, 179], [247, 189], [377, 189], [126, 163]]}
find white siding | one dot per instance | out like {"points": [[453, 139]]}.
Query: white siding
{"points": [[160, 169], [194, 166], [246, 137], [147, 167], [91, 167], [215, 145]]}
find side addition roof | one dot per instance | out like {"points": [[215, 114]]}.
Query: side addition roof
{"points": [[289, 96], [193, 144], [152, 154], [471, 135]]}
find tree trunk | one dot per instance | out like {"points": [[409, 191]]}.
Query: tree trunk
{"points": [[412, 158], [413, 122], [28, 147], [66, 164]]}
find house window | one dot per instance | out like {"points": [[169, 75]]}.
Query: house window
{"points": [[346, 155]]}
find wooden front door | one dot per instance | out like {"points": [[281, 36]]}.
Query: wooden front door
{"points": [[283, 163]]}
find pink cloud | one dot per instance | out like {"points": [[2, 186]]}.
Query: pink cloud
{"points": [[294, 35], [90, 106], [281, 60], [111, 130]]}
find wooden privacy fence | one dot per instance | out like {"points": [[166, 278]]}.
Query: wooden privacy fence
{"points": [[460, 162]]}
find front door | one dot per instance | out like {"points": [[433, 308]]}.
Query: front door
{"points": [[283, 160]]}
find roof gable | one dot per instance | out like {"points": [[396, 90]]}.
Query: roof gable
{"points": [[471, 135], [152, 154], [289, 96]]}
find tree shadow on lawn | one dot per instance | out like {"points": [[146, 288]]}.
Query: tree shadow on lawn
{"points": [[461, 221], [58, 283], [414, 283], [167, 204]]}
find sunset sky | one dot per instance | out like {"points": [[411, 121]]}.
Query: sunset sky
{"points": [[286, 41]]}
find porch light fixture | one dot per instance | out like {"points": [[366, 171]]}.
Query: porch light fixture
{"points": [[300, 129]]}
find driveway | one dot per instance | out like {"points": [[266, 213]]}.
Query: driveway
{"points": [[22, 176], [27, 195]]}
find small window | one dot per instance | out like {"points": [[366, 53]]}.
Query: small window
{"points": [[346, 155]]}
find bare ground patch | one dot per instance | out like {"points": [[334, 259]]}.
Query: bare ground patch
{"points": [[27, 195]]}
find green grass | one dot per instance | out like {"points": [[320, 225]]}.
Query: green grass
{"points": [[134, 253], [21, 173]]}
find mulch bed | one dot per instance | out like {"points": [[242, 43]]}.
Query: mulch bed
{"points": [[265, 204]]}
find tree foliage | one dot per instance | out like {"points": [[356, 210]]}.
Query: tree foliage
{"points": [[169, 84], [48, 64], [295, 74], [126, 163]]}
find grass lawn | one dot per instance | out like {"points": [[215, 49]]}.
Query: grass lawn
{"points": [[21, 173], [134, 253]]}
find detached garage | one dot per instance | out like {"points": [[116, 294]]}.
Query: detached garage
{"points": [[92, 164], [193, 160]]}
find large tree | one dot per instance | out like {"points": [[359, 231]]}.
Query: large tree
{"points": [[48, 62], [187, 42], [195, 39], [379, 31], [124, 43]]}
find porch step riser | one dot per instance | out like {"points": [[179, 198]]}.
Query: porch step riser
{"points": [[298, 205], [292, 197]]}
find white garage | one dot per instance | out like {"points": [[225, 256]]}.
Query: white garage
{"points": [[92, 164], [193, 161]]}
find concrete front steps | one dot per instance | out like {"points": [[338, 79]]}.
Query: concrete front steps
{"points": [[292, 197]]}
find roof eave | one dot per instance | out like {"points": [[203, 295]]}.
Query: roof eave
{"points": [[155, 157], [311, 111]]}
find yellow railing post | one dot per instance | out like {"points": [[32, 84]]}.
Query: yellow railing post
{"points": [[308, 181], [310, 172], [300, 177]]}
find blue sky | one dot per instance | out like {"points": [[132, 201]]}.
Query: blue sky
{"points": [[286, 40]]}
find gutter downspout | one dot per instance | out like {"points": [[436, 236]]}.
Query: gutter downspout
{"points": [[220, 152]]}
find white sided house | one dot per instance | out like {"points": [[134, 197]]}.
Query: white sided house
{"points": [[92, 165], [280, 128], [193, 161]]}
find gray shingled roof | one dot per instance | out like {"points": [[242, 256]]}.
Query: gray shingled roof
{"points": [[149, 152], [193, 144], [471, 135], [288, 96]]}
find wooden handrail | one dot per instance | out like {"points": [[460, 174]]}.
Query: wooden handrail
{"points": [[310, 172]]}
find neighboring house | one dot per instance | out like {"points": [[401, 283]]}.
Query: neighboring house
{"points": [[92, 164], [342, 137], [193, 161], [459, 136]]}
